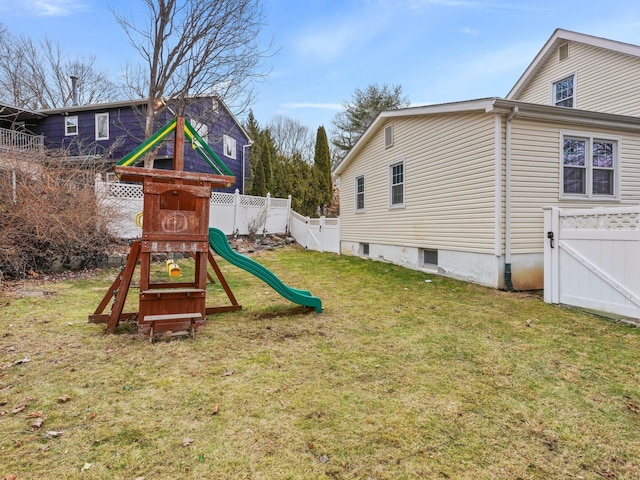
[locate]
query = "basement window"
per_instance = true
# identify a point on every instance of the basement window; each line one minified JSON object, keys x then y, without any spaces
{"x":429,"y":258}
{"x":364,"y":249}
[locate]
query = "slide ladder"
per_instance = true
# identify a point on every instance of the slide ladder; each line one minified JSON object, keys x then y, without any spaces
{"x":219,"y":243}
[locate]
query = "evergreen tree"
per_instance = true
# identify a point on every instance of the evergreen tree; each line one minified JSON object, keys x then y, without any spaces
{"x":259,"y":183}
{"x":253,"y":129}
{"x":322,"y":171}
{"x":267,"y":155}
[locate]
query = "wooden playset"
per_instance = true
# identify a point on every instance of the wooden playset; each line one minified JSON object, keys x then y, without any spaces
{"x":175,"y":220}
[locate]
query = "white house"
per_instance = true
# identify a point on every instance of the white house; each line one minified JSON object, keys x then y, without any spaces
{"x":459,"y":188}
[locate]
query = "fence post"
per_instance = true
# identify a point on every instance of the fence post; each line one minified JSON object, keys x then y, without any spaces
{"x":288,"y":225}
{"x":267,"y":205}
{"x":321,"y":233}
{"x":236,"y":207}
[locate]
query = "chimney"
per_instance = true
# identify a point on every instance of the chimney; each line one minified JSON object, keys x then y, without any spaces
{"x":74,"y":90}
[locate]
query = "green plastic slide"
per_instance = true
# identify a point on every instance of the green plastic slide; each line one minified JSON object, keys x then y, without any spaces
{"x":220,"y":244}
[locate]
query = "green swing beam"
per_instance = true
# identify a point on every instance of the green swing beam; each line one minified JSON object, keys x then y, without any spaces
{"x":194,"y":138}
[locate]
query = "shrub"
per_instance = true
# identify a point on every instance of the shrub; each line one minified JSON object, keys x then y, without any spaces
{"x":49,"y":217}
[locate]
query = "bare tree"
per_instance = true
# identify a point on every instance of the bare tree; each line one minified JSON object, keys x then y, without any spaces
{"x":196,"y":47}
{"x":290,"y":137}
{"x":37,"y":74}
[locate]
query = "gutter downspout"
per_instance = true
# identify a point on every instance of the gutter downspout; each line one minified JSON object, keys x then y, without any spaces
{"x":244,"y":161}
{"x":507,"y":204}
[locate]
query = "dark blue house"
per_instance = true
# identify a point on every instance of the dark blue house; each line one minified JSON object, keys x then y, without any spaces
{"x":105,"y":133}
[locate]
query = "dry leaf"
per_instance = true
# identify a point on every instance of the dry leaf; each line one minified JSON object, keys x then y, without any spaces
{"x":37,"y":423}
{"x":64,"y":398}
{"x":37,"y":414}
{"x":54,"y":433}
{"x":228,"y":373}
{"x":19,"y":408}
{"x":11,"y":476}
{"x":633,"y":408}
{"x":86,"y":466}
{"x":187,"y":441}
{"x":216,"y":409}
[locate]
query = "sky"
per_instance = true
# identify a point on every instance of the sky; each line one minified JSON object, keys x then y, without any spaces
{"x":322,"y":50}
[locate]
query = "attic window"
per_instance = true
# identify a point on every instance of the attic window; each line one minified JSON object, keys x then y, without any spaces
{"x":388,"y":136}
{"x":563,"y":52}
{"x":563,"y":92}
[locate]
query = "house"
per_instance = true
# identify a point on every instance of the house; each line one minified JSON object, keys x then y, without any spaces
{"x":459,"y":188}
{"x":105,"y":133}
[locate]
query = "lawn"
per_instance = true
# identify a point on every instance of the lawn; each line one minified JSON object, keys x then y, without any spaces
{"x":403,"y":375}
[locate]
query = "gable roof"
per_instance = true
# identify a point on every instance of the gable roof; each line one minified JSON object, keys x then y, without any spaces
{"x":559,"y":37}
{"x":494,"y":105}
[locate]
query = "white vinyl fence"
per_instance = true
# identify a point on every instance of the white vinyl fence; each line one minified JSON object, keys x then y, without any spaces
{"x":231,"y":213}
{"x":322,"y":234}
{"x":592,"y":259}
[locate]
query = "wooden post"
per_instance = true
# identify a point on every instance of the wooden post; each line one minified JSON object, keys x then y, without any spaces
{"x":178,"y":146}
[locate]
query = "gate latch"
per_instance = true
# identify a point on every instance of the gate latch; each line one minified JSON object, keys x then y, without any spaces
{"x":550,"y":237}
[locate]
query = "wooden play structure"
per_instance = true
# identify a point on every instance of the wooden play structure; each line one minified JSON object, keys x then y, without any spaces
{"x":175,"y":220}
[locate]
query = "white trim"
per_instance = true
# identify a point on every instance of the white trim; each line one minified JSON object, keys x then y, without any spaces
{"x":498,"y":185}
{"x":97,"y":115}
{"x":404,"y":184}
{"x":617,"y":168}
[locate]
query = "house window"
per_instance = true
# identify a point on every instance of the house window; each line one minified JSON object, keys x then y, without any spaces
{"x":590,"y":167}
{"x":229,"y":146}
{"x":202,"y":129}
{"x":388,"y":136}
{"x":102,"y":126}
{"x":71,"y":125}
{"x":360,"y":193}
{"x":396,"y":180}
{"x":563,"y":92}
{"x":364,"y":249}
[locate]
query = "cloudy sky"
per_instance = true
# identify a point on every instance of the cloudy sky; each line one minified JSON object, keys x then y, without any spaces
{"x":438,"y":50}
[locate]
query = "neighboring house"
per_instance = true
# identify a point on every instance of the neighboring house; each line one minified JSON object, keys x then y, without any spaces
{"x":105,"y":133}
{"x":459,"y":188}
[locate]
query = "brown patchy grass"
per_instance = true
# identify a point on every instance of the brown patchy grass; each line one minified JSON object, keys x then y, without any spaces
{"x":397,"y":378}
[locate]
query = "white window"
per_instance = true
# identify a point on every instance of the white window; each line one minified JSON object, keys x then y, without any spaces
{"x":71,"y":125}
{"x":590,"y":166}
{"x":102,"y":126}
{"x":229,"y":145}
{"x":360,"y":193}
{"x":202,"y":129}
{"x":564,"y":92}
{"x":396,"y":184}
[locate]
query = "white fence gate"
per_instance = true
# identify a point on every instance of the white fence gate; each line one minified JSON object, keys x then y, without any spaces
{"x":322,"y":234}
{"x":592,"y":259}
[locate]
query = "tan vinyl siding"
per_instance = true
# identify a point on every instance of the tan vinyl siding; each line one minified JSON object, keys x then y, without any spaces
{"x":535,"y":181}
{"x":449,"y":185}
{"x":606,"y":81}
